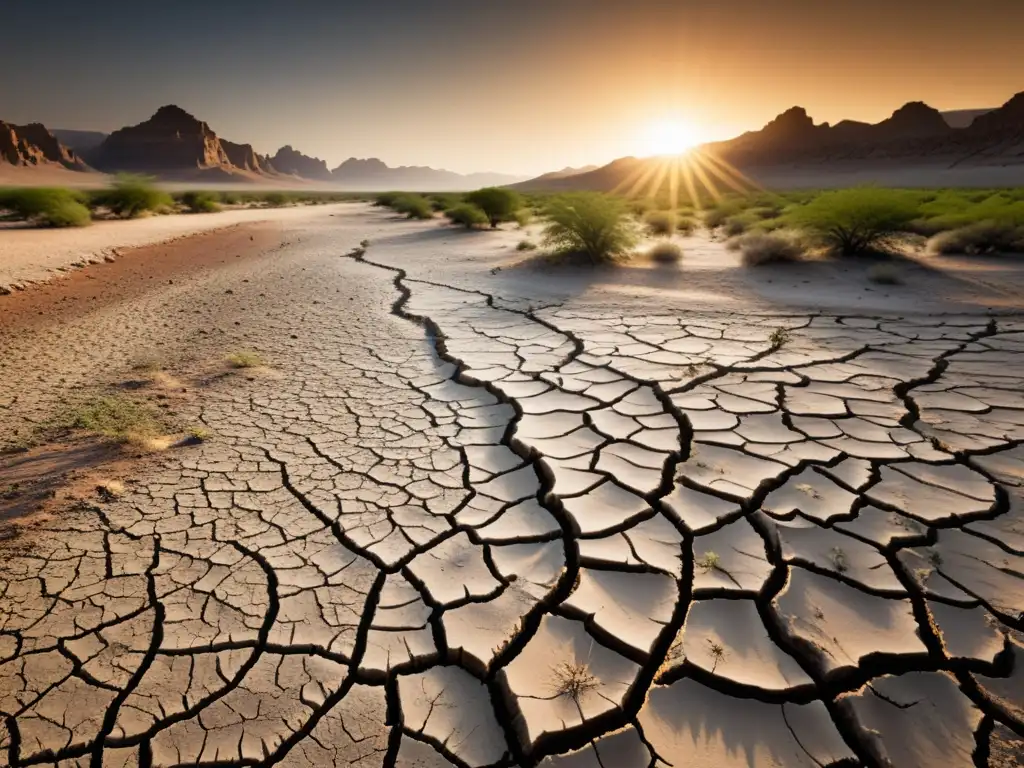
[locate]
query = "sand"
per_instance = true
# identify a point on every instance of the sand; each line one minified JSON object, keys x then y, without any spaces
{"x":34,"y":255}
{"x":468,"y":513}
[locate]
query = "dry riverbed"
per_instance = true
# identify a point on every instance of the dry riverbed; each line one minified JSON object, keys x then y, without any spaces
{"x":463,"y":512}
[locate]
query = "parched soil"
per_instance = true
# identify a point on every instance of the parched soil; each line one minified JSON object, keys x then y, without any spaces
{"x":470,"y":515}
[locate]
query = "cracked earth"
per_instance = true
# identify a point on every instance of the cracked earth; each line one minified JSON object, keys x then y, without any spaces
{"x":463,"y":525}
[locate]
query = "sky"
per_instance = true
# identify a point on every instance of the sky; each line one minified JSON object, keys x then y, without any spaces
{"x":514,"y":86}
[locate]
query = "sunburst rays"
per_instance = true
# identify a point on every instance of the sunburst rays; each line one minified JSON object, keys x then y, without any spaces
{"x":698,"y":174}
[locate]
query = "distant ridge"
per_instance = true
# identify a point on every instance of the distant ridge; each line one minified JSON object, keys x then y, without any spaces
{"x":33,"y":145}
{"x":373,"y":175}
{"x":916,"y":144}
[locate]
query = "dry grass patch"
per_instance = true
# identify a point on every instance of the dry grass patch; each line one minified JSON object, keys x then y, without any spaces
{"x":665,"y":252}
{"x":245,"y":359}
{"x":762,"y":248}
{"x":119,"y":419}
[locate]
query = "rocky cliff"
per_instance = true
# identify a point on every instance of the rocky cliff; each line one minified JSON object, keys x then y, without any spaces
{"x":33,"y":144}
{"x":171,"y":140}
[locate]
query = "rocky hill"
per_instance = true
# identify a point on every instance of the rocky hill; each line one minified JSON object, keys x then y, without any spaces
{"x":915,"y":145}
{"x":33,"y":145}
{"x":169,"y":143}
{"x":293,"y":163}
{"x":84,"y":143}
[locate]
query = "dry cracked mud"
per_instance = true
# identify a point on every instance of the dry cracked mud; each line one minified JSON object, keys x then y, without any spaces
{"x":460,"y":526}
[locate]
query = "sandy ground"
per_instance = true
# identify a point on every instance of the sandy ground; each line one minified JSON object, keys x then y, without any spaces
{"x":32,"y":255}
{"x":472,"y":513}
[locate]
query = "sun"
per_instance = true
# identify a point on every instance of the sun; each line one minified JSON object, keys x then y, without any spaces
{"x":674,"y":136}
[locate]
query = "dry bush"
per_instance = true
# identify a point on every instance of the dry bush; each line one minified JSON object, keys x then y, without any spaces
{"x":981,"y":238}
{"x":661,"y":222}
{"x":760,"y":248}
{"x":665,"y":252}
{"x":245,"y":359}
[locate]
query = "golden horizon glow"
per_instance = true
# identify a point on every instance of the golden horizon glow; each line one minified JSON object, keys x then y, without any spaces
{"x":668,"y":136}
{"x":689,"y":177}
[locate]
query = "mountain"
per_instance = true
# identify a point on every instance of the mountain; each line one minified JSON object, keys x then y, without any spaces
{"x":171,"y":144}
{"x":373,"y":175}
{"x":565,"y":173}
{"x":34,"y":145}
{"x":916,"y":145}
{"x":82,"y":142}
{"x":294,"y":163}
{"x":244,"y":156}
{"x":961,"y":118}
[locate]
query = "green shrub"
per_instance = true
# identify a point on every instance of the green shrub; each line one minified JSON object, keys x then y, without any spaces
{"x":467,"y":215}
{"x":641,"y":206}
{"x":47,"y":206}
{"x":854,"y":221}
{"x":201,"y":202}
{"x":685,"y":225}
{"x":760,"y":248}
{"x":413,"y":206}
{"x":526,"y":245}
{"x":131,"y":196}
{"x":276,"y":199}
{"x":737,"y":225}
{"x":981,"y":238}
{"x":665,"y":252}
{"x":716,"y":215}
{"x":443,"y":202}
{"x":230,"y":198}
{"x":497,"y":203}
{"x":661,"y":222}
{"x":590,"y":223}
{"x":386,"y":199}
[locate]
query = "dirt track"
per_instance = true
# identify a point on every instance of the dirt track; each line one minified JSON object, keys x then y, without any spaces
{"x":470,"y":515}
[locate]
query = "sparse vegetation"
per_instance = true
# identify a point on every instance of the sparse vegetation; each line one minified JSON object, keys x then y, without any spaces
{"x":132,"y":196}
{"x":573,"y":680}
{"x":497,"y":203}
{"x":856,"y":221}
{"x":665,"y":252}
{"x":412,"y":206}
{"x":197,"y":434}
{"x":116,"y":417}
{"x":779,"y":338}
{"x":245,"y":359}
{"x":761,"y":248}
{"x":717,"y":651}
{"x":589,"y":223}
{"x":46,"y":206}
{"x":466,"y":215}
{"x":201,"y":202}
{"x":685,"y":225}
{"x":661,"y":222}
{"x":276,"y":199}
{"x":709,"y":562}
{"x":981,"y":238}
{"x":526,"y":245}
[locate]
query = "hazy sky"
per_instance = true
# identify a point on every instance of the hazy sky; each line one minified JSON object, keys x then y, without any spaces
{"x":521,"y":86}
